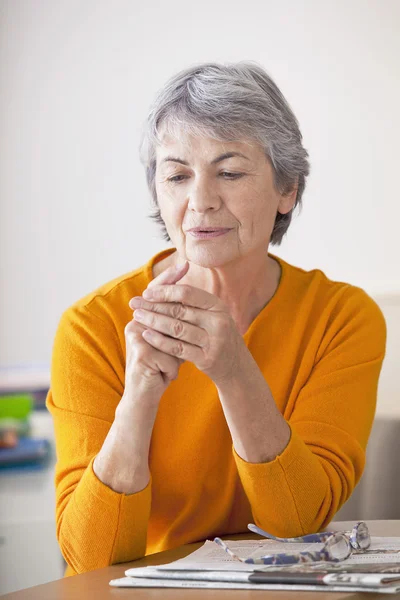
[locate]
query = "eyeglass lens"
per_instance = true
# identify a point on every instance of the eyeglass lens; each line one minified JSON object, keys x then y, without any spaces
{"x":338,"y":546}
{"x":363,"y":539}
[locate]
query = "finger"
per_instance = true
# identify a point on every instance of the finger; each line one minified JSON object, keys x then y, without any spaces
{"x":186,"y":294}
{"x":168,"y":365}
{"x":176,"y":348}
{"x":176,"y":310}
{"x":133,"y":328}
{"x":174,"y":328}
{"x":164,"y":362}
{"x":156,"y":360}
{"x":171,"y":275}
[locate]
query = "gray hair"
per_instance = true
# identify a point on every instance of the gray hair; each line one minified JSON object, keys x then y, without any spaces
{"x":230,"y":102}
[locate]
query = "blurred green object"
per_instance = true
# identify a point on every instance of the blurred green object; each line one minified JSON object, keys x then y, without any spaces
{"x":20,"y":426}
{"x":16,"y":406}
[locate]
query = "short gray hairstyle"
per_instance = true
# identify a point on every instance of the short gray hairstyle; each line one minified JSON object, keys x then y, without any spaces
{"x":237,"y":101}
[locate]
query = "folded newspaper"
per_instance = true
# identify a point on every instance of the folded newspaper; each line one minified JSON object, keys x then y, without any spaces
{"x":374,"y":570}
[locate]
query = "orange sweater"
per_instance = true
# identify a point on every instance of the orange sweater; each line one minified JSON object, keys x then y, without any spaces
{"x":320,"y":345}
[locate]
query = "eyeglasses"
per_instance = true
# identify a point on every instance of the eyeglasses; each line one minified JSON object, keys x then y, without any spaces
{"x":337,"y":546}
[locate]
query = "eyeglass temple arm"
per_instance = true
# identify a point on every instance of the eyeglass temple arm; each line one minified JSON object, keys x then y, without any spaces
{"x":222,"y":545}
{"x":280,"y":559}
{"x":312,"y":537}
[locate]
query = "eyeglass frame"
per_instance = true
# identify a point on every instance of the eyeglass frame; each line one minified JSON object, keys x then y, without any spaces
{"x":353,"y":535}
{"x":324,"y":554}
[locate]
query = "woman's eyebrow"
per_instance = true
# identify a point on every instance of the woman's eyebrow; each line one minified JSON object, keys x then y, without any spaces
{"x":228,"y":155}
{"x":216,"y":160}
{"x":174,"y":159}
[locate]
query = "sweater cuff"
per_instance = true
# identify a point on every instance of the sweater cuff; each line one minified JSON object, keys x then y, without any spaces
{"x":131,"y":511}
{"x":284,"y":459}
{"x":103,"y":492}
{"x":270,"y":488}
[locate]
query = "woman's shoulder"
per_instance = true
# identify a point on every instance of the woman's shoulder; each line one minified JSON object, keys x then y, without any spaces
{"x":333,"y":316}
{"x":340,"y":300}
{"x":110,"y":300}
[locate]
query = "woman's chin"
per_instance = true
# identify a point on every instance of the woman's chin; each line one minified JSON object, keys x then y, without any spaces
{"x":209,"y":257}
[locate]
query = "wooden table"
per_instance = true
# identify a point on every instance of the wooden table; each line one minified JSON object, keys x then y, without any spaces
{"x":95,"y":584}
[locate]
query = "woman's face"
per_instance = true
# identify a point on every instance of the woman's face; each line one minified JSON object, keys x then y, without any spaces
{"x":203,"y":182}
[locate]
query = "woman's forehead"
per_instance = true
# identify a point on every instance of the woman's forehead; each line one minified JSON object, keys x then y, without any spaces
{"x":186,"y":146}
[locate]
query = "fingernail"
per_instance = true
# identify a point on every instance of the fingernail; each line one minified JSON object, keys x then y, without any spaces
{"x":147,"y":294}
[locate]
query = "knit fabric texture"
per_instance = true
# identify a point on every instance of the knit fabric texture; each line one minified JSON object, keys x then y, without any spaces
{"x":320,"y":346}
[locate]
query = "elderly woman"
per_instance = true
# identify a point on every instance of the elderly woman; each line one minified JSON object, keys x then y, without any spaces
{"x":241,"y":388}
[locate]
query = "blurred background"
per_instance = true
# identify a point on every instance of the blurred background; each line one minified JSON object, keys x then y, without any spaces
{"x":77,"y":77}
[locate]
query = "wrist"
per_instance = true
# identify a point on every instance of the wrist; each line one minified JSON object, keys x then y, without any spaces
{"x":243,"y":368}
{"x":134,"y":421}
{"x":137,"y":406}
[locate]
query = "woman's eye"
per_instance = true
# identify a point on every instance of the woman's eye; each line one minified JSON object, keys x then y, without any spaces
{"x":176,"y":178}
{"x":225,"y":174}
{"x":229,"y":175}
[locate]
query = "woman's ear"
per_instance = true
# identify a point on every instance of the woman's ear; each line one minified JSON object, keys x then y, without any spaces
{"x":288,"y":200}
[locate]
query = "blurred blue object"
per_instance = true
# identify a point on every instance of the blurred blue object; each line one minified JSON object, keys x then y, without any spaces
{"x":28,"y":453}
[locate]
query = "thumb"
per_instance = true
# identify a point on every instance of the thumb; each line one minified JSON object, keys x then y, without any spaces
{"x":171,"y":275}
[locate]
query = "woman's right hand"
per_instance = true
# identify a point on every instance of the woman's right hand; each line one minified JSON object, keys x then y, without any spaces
{"x":148,"y":370}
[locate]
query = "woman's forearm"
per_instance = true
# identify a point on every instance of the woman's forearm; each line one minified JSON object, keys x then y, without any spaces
{"x":123,"y":461}
{"x":259,"y":431}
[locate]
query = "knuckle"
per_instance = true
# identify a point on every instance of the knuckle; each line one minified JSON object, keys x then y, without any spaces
{"x":178,"y":328}
{"x":147,"y":372}
{"x":142,"y":351}
{"x":133,"y":329}
{"x":130,"y":328}
{"x":157,"y":308}
{"x":175,"y":311}
{"x":177,"y":349}
{"x":178,"y":310}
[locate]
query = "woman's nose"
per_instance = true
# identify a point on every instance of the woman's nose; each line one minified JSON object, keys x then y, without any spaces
{"x":202,"y":197}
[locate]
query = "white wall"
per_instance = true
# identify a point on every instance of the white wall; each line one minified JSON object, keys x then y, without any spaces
{"x":76,"y":80}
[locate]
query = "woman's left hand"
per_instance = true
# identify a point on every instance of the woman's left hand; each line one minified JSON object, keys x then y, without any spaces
{"x":192,"y":324}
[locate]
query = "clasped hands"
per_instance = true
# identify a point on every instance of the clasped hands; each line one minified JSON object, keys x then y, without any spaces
{"x":190,"y":324}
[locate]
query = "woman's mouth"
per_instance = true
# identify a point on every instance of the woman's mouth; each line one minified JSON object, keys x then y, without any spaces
{"x":208,"y":233}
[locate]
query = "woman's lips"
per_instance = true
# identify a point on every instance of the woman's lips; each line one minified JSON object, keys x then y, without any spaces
{"x":203,"y":235}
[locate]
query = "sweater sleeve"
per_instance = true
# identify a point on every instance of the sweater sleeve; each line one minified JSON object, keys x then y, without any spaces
{"x":300,"y":491}
{"x":96,"y":526}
